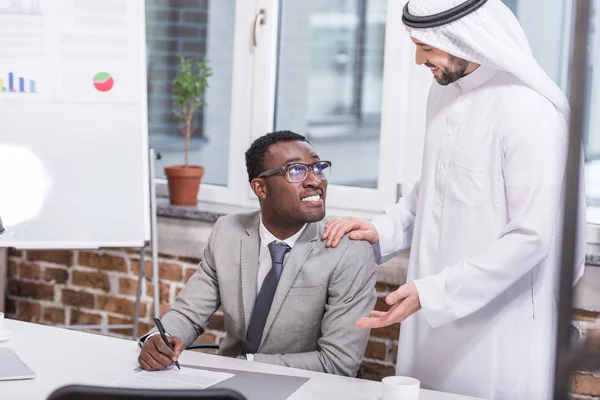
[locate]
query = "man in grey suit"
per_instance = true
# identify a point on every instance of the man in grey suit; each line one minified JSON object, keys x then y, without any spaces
{"x":286,"y":298}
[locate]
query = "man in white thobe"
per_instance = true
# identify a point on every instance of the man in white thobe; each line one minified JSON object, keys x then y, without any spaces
{"x":485,"y":222}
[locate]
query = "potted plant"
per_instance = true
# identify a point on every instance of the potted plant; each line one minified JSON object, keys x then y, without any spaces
{"x":188,"y":97}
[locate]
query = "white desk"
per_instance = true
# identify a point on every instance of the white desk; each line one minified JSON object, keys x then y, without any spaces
{"x":60,"y":357}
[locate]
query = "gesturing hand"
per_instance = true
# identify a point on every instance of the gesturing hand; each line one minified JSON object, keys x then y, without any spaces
{"x":404,"y":301}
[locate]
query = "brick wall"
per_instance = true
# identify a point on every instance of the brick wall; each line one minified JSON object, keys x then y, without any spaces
{"x":92,"y":287}
{"x":586,"y":383}
{"x":98,"y":287}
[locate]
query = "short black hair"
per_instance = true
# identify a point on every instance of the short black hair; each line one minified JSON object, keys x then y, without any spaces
{"x":255,"y":155}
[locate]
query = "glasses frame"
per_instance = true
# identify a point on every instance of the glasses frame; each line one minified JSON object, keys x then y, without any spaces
{"x":309,"y":167}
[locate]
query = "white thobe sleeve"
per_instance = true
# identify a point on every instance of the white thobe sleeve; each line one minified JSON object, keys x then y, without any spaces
{"x":534,"y":153}
{"x":395,"y":227}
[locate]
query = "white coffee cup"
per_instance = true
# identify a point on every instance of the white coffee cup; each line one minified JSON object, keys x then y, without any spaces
{"x":1,"y":322}
{"x":400,"y":388}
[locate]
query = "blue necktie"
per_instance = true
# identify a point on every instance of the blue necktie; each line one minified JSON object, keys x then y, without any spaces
{"x":265,"y":298}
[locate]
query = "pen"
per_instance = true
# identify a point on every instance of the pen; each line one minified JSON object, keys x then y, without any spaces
{"x":161,"y":330}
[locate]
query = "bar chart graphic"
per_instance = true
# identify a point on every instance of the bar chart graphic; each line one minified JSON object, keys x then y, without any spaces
{"x":21,"y":7}
{"x":12,"y":83}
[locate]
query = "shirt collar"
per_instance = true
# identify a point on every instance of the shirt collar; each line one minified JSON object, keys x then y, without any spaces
{"x":476,"y":78}
{"x":267,"y":237}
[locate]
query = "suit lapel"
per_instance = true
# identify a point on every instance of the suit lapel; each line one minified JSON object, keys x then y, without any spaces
{"x":249,"y":265}
{"x":291,"y":268}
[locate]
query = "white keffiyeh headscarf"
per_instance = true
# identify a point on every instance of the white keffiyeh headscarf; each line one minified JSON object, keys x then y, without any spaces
{"x":490,"y":36}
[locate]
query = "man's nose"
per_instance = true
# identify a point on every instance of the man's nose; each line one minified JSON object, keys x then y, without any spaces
{"x":420,"y":58}
{"x":311,"y":180}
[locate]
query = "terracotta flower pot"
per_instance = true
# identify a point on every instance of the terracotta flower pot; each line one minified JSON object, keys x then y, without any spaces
{"x":184,"y":183}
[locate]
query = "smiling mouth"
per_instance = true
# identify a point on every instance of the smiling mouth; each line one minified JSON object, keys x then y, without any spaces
{"x":312,"y":199}
{"x":432,"y":67}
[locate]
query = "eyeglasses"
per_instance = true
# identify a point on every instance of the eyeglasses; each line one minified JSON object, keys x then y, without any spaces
{"x":298,"y":172}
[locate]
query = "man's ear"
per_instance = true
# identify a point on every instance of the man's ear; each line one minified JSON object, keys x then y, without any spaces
{"x":259,"y":187}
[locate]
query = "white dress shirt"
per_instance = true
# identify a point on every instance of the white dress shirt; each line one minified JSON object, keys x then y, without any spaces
{"x":264,"y":256}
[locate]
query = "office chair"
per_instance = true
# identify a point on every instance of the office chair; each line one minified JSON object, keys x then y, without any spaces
{"x":81,"y":392}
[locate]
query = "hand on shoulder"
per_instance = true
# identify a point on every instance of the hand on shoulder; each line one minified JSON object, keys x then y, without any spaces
{"x":358,"y":229}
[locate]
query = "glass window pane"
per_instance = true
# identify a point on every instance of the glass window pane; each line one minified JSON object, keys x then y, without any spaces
{"x":512,"y":4}
{"x":330,"y":82}
{"x":195,"y":28}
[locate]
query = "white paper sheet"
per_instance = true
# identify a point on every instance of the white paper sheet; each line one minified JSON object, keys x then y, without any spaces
{"x":172,"y":378}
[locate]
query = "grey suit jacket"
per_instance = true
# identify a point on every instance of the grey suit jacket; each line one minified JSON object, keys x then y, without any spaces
{"x":321,"y":293}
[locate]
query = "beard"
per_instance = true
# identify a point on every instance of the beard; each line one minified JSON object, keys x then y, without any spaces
{"x":455,"y":70}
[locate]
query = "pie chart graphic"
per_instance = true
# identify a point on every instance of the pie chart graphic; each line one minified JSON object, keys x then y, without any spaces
{"x":103,"y":82}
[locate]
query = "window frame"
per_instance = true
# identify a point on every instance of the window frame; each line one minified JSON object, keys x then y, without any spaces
{"x":254,"y":78}
{"x":405,"y":92}
{"x":240,"y":116}
{"x":341,"y":199}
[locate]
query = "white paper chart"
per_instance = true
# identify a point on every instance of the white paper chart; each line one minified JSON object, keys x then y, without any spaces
{"x":73,"y":124}
{"x":70,"y":51}
{"x":25,"y":59}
